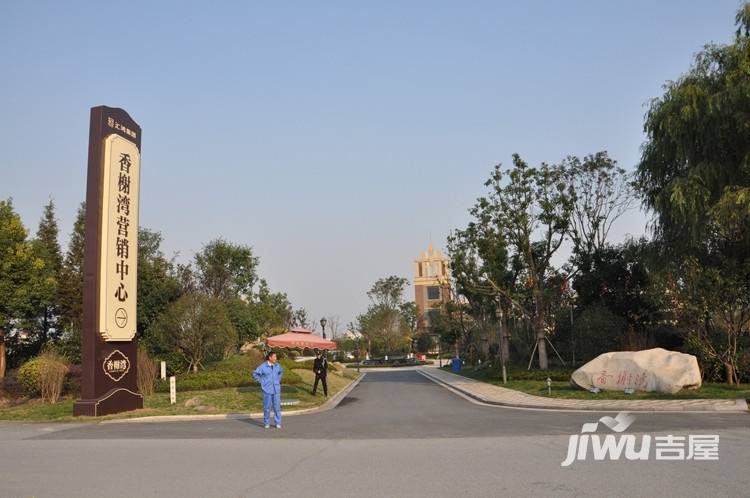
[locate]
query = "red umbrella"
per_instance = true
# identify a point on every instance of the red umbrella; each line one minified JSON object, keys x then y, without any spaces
{"x":299,"y":338}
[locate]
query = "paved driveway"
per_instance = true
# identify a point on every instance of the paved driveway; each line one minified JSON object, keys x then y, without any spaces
{"x":396,"y":434}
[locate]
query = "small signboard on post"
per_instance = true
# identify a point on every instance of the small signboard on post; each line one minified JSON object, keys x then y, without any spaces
{"x":163,"y":370}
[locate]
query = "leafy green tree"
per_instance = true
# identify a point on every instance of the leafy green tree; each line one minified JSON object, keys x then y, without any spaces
{"x":226,"y":270}
{"x":198,"y":328}
{"x":623,"y":279}
{"x":20,"y":276}
{"x":448,"y":323}
{"x":410,"y":313}
{"x":696,"y":151}
{"x":486,"y":275}
{"x":598,"y":330}
{"x":530,"y":213}
{"x":158,"y":285}
{"x":388,"y":291}
{"x":694,"y":175}
{"x":299,"y":318}
{"x":600,"y":192}
{"x":424,"y":343}
{"x":388,"y":323}
{"x":271,"y":311}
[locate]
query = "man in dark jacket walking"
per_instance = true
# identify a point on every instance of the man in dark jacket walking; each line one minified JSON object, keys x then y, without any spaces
{"x":320,"y":367}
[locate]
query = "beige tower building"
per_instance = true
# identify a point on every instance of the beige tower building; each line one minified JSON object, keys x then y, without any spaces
{"x":432,"y":285}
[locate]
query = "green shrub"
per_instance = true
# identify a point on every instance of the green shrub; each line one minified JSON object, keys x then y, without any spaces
{"x":235,"y":371}
{"x":291,"y":378}
{"x":598,"y":331}
{"x":43,"y":376}
{"x":176,"y":363}
{"x":308,"y":365}
{"x":520,"y":373}
{"x":29,"y":376}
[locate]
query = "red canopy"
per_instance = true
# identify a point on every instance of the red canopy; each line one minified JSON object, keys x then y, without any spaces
{"x":300,"y":338}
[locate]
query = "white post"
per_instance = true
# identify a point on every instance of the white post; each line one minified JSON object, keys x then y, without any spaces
{"x":163,"y":370}
{"x":173,"y":390}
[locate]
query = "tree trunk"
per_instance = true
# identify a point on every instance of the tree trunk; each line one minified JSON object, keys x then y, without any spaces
{"x":731,"y":375}
{"x":504,"y":342}
{"x":2,"y":355}
{"x":539,"y":330}
{"x":542,"y":350}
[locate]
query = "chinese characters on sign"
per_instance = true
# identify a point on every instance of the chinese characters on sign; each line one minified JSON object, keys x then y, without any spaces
{"x":112,"y":123}
{"x":119,"y":251}
{"x":116,"y":365}
{"x":623,"y":379}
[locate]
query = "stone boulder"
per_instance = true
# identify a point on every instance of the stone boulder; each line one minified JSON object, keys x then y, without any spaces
{"x":194,"y":402}
{"x":655,"y":369}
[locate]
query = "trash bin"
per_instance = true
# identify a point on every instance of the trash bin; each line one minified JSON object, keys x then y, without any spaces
{"x":456,"y":365}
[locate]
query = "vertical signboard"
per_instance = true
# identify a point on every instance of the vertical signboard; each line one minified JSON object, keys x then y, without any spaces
{"x":117,"y":268}
{"x":110,"y":292}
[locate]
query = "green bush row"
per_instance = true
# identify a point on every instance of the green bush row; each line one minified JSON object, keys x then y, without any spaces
{"x":232,"y":372}
{"x":306,"y":365}
{"x":520,"y":373}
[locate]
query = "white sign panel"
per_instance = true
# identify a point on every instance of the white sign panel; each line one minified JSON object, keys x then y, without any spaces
{"x":173,"y":389}
{"x":119,"y":243}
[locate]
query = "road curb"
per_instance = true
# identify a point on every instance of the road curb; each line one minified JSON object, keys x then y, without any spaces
{"x":328,"y":405}
{"x":740,"y":405}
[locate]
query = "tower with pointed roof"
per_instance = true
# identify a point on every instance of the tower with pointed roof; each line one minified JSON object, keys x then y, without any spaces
{"x":432,"y":285}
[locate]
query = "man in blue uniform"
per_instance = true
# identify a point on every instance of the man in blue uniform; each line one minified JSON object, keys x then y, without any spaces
{"x":268,"y":375}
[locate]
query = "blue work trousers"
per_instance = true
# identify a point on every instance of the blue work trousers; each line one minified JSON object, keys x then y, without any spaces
{"x":269,"y":401}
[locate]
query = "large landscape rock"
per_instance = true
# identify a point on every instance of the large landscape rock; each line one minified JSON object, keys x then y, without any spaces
{"x":649,"y":370}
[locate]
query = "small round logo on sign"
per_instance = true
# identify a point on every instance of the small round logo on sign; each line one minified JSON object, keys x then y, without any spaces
{"x":121,"y":317}
{"x":116,"y":365}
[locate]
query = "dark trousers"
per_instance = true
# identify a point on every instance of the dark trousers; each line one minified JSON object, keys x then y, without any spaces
{"x":321,"y":378}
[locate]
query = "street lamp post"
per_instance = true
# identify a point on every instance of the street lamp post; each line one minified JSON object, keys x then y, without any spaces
{"x":323,"y":322}
{"x":358,"y":353}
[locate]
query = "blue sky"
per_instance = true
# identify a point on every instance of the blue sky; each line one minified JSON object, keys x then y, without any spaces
{"x":335,"y":139}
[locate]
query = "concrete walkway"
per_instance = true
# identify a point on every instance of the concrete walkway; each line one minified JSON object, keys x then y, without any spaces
{"x":496,"y":395}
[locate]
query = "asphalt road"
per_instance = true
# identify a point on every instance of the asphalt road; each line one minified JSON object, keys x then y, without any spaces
{"x":396,"y":434}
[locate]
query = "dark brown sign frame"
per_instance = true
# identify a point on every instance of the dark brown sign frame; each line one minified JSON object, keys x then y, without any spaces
{"x":103,"y":394}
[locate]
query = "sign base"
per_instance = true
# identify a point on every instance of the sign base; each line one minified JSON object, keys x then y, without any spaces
{"x":115,"y":401}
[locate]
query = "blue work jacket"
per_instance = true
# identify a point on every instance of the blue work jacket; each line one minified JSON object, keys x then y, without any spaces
{"x":269,"y":377}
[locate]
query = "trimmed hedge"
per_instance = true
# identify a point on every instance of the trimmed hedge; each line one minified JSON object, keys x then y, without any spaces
{"x":304,"y":365}
{"x":235,"y":371}
{"x":519,"y":373}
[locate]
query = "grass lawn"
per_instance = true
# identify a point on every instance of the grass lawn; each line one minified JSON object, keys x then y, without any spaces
{"x":214,"y":401}
{"x":563,"y":389}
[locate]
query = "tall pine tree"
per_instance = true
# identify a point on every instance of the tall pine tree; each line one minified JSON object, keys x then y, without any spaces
{"x":47,"y":248}
{"x":71,"y":289}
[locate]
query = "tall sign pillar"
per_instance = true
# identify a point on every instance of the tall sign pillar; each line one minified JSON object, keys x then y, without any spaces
{"x":110,"y":266}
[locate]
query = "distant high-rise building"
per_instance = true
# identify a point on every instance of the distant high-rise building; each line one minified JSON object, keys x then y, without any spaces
{"x":432,"y":286}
